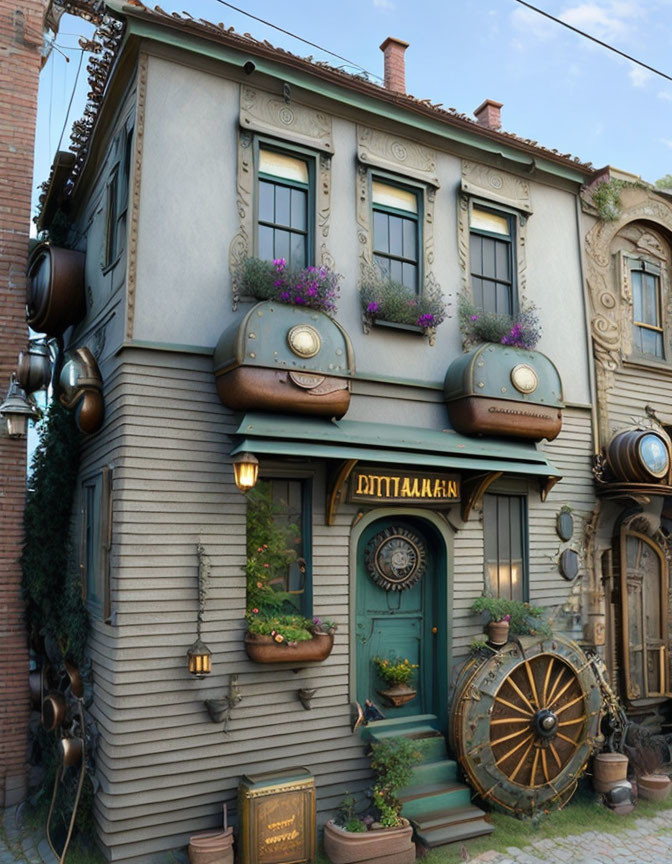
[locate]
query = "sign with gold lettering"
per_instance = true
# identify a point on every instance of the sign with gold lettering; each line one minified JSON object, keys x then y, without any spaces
{"x":372,"y":484}
{"x":277,"y":817}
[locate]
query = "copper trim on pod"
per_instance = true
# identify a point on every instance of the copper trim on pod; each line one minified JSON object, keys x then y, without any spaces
{"x":55,"y":298}
{"x":82,"y":389}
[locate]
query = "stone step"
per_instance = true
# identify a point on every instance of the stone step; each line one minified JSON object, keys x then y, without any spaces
{"x":454,"y":833}
{"x":444,"y":818}
{"x":434,"y":796}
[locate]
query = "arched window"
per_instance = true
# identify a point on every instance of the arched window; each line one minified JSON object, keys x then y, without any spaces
{"x":643,"y":616}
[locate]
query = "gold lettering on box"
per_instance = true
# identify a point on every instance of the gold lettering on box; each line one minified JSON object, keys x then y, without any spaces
{"x":404,"y":487}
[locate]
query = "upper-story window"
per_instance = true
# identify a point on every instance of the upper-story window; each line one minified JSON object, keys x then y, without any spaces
{"x":505,"y":545}
{"x":647,"y":319}
{"x":396,"y":230}
{"x":285,"y":207}
{"x":116,"y":195}
{"x":492,"y":260}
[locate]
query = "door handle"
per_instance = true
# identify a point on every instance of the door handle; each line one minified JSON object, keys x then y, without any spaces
{"x":435,"y":630}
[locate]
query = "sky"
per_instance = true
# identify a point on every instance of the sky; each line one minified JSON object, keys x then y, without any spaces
{"x":556,"y":87}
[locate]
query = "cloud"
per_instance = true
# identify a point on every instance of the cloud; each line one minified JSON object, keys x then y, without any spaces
{"x":666,"y":141}
{"x":385,"y":4}
{"x":608,"y":20}
{"x":638,"y":76}
{"x":533,"y":24}
{"x":665,"y":95}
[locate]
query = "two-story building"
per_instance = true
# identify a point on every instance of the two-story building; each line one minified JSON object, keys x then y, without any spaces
{"x":205,"y":149}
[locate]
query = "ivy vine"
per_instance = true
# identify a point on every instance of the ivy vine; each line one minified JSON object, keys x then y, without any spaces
{"x":607,"y":197}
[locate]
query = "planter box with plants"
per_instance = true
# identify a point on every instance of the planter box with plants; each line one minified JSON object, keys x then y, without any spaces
{"x":509,"y":618}
{"x":308,"y":288}
{"x":390,"y":304}
{"x":380,"y":834}
{"x":397,"y":675}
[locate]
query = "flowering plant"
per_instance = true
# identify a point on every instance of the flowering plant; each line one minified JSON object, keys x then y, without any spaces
{"x":324,"y":625}
{"x":521,"y":331}
{"x":386,"y":300}
{"x":312,"y":287}
{"x":394,"y":671}
{"x":523,"y":619}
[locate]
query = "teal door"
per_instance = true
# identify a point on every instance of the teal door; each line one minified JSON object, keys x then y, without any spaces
{"x":401,"y":611}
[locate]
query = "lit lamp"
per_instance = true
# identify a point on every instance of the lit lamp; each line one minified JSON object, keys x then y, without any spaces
{"x":245,"y":471}
{"x":199,"y":656}
{"x":17,"y":410}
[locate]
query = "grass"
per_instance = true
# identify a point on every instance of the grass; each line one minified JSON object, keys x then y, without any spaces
{"x":582,"y":814}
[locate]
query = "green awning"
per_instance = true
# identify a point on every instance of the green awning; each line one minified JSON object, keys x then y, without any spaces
{"x":306,"y":437}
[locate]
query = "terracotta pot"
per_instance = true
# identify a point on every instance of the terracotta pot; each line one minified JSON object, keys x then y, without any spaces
{"x":264,"y":649}
{"x":399,"y":694}
{"x":498,"y":632}
{"x":609,"y":768}
{"x":388,"y":845}
{"x":654,"y":787}
{"x":211,"y":847}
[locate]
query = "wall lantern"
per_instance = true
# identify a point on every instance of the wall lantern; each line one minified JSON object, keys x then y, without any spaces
{"x":245,"y":471}
{"x":17,"y":410}
{"x":199,"y":656}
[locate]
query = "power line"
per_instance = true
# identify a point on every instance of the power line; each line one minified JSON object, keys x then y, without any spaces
{"x":595,"y":39}
{"x":300,"y":38}
{"x":72,"y":96}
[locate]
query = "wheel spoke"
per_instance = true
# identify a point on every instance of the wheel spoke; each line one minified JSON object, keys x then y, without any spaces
{"x":567,"y":685}
{"x":546,"y":680}
{"x":555,"y":683}
{"x":502,"y":720}
{"x":544,"y":765}
{"x":530,"y":678}
{"x":568,"y":705}
{"x":569,"y":740}
{"x":534,"y":767}
{"x":515,"y":707}
{"x":515,"y":750}
{"x":508,"y":737}
{"x":572,"y":722}
{"x":520,"y":693}
{"x":555,"y":755}
{"x":512,"y":777}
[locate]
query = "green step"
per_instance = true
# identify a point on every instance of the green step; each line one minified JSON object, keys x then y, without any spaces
{"x":445,"y":818}
{"x":439,"y":771}
{"x":398,"y":726}
{"x":434,"y":796}
{"x":454,"y":833}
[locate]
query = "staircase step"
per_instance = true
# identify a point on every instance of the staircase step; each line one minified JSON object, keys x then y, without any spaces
{"x":430,"y":821}
{"x":454,"y":833}
{"x":436,"y":771}
{"x":434,"y":796}
{"x":427,"y":720}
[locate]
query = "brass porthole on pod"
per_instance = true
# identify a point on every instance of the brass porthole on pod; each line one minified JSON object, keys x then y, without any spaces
{"x":304,"y":340}
{"x":524,"y":378}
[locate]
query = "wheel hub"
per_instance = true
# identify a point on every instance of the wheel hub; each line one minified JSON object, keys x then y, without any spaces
{"x":545,"y":723}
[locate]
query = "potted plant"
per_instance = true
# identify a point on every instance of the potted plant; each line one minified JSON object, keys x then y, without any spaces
{"x":510,"y":617}
{"x":396,"y":674}
{"x":276,"y":631}
{"x":378,"y":836}
{"x":310,"y":287}
{"x":520,"y":331}
{"x":387,"y":302}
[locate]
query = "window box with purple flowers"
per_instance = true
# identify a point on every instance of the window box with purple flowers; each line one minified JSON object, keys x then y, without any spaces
{"x":311,"y":288}
{"x":519,"y":331}
{"x":386,"y":303}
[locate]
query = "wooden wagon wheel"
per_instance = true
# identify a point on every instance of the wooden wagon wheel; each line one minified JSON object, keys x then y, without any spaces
{"x":525,"y":722}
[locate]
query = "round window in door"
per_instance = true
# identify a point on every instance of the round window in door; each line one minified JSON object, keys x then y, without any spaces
{"x":396,"y":558}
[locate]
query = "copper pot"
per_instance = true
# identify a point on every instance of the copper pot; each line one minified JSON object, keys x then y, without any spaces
{"x":35,"y":687}
{"x":33,"y":368}
{"x":54,"y":710}
{"x":72,"y":749}
{"x":76,"y":684}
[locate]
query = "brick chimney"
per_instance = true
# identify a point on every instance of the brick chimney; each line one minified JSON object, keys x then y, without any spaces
{"x":395,"y":66}
{"x":489,"y":114}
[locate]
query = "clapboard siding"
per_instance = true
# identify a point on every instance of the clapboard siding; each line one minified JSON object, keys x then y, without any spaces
{"x":632,"y":390}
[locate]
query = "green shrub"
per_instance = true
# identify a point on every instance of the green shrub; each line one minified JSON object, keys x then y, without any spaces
{"x":394,"y":671}
{"x":392,"y":760}
{"x":524,"y":620}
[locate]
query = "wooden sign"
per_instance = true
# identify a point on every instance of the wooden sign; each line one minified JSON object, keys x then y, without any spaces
{"x":385,"y":486}
{"x":277,"y":817}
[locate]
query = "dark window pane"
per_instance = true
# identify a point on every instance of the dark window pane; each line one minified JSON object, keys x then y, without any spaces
{"x":297,"y":256}
{"x":410,"y":239}
{"x":281,"y":244}
{"x":282,"y":201}
{"x":637,"y":307}
{"x":651,"y":300}
{"x":410,"y":275}
{"x":299,"y":200}
{"x":503,"y":302}
{"x":502,"y":260}
{"x":266,"y":201}
{"x":395,"y":270}
{"x":266,"y":243}
{"x":489,"y":289}
{"x":396,"y":234}
{"x":651,"y":342}
{"x":381,"y":238}
{"x":477,"y":289}
{"x":476,"y":253}
{"x":504,"y":551}
{"x":383,"y":265}
{"x":488,"y":257}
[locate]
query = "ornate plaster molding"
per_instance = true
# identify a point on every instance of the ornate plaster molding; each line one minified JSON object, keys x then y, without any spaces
{"x":241,"y":244}
{"x":266,"y":112}
{"x":400,"y":155}
{"x":134,"y":215}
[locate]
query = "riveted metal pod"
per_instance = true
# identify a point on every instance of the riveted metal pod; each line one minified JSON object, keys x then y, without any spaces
{"x":55,"y":297}
{"x":33,"y":369}
{"x":640,"y":456}
{"x":82,"y":389}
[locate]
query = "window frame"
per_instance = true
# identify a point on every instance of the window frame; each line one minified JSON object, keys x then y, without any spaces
{"x":96,"y":533}
{"x":310,"y":157}
{"x":117,"y":192}
{"x":644,"y":265}
{"x":516,"y":220}
{"x":522,"y":498}
{"x":418,"y":191}
{"x":306,"y":527}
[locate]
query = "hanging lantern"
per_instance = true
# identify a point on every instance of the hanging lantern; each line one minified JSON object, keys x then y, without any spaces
{"x":245,"y":471}
{"x":199,"y":659}
{"x":17,"y":410}
{"x":199,"y":655}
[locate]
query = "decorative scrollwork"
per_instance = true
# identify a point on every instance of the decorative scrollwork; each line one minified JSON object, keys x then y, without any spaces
{"x":396,"y":558}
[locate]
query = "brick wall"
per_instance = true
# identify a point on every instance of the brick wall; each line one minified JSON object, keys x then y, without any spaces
{"x":20,"y":43}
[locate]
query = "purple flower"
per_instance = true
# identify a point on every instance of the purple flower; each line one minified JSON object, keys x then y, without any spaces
{"x":474,"y":317}
{"x":426,"y":320}
{"x":373,"y":307}
{"x":299,"y":300}
{"x":279,"y":263}
{"x":284,"y":295}
{"x":312,"y":291}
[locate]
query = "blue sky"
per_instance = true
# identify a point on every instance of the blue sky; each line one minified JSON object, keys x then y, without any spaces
{"x":557,"y":88}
